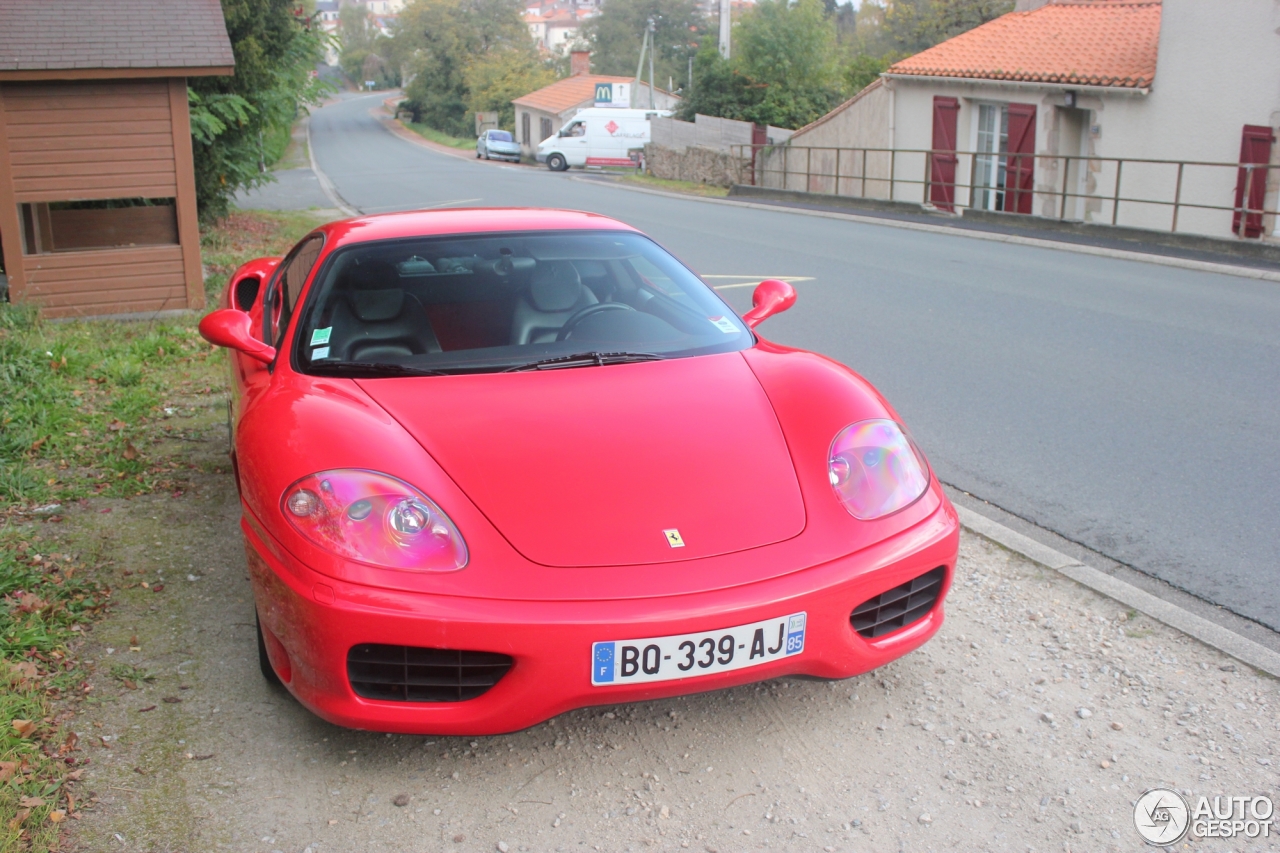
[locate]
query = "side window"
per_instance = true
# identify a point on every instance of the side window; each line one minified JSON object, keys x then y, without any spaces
{"x":577,"y":129}
{"x":288,"y":284}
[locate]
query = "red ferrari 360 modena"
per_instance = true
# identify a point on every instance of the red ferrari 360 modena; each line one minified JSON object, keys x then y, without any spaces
{"x":498,"y":464}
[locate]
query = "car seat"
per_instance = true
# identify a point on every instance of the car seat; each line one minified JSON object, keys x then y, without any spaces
{"x":555,"y":292}
{"x":374,"y":319}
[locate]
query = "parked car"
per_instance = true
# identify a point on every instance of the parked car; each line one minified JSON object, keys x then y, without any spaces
{"x":494,"y":465}
{"x":497,"y":145}
{"x":598,"y":136}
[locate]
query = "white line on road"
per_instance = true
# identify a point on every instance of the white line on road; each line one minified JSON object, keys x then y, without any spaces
{"x":326,"y":185}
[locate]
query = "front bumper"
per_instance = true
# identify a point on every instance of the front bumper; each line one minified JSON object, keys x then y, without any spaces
{"x":504,"y":155}
{"x":315,"y":621}
{"x":540,"y":156}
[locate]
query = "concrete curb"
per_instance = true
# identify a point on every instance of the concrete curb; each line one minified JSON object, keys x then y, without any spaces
{"x":326,"y":185}
{"x":1097,"y":251}
{"x":1245,"y":650}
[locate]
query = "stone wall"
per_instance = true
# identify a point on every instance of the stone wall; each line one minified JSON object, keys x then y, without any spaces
{"x":695,"y":164}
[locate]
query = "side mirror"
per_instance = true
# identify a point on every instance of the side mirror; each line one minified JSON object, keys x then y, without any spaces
{"x":770,"y":297}
{"x":233,"y":329}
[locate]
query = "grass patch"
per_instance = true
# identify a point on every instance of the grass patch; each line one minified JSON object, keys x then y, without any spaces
{"x":439,"y":136}
{"x":88,"y":409}
{"x":249,"y":234}
{"x":687,"y":187}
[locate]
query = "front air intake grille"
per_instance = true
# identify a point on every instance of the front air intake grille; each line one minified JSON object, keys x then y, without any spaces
{"x":409,"y":674}
{"x":898,"y":607}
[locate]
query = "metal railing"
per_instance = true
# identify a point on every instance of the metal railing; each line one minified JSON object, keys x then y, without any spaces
{"x":1059,"y":185}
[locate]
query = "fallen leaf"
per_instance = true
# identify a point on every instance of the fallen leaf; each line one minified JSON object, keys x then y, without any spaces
{"x":38,"y":443}
{"x":139,"y":771}
{"x":56,"y":816}
{"x":30,"y":802}
{"x":202,"y":757}
{"x":24,"y":728}
{"x":130,"y":452}
{"x":72,"y":740}
{"x":19,"y":818}
{"x":158,"y":588}
{"x":333,"y":823}
{"x":172,"y":700}
{"x":116,"y":425}
{"x":29,"y":602}
{"x":401,"y":800}
{"x":133,"y":641}
{"x":129,"y":683}
{"x":6,"y":769}
{"x":146,"y":709}
{"x":75,"y":775}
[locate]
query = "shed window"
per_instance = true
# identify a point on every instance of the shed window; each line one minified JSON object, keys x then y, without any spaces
{"x":69,"y":226}
{"x":546,"y":129}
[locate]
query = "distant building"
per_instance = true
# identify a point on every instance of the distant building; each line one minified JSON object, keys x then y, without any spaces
{"x":1067,"y":80}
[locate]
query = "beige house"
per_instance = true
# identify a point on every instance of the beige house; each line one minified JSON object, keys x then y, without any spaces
{"x":1033,"y":113}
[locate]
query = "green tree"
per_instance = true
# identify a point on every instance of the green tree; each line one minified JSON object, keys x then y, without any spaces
{"x":240,"y":124}
{"x":862,"y":69}
{"x":438,"y":40}
{"x":496,"y":78}
{"x":615,"y":36}
{"x":911,"y":26}
{"x":783,"y":71}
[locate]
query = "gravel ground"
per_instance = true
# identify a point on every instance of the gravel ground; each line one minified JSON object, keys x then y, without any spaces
{"x":1033,"y":722}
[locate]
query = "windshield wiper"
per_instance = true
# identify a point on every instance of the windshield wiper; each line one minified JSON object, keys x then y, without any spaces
{"x":586,"y":359}
{"x":371,"y":369}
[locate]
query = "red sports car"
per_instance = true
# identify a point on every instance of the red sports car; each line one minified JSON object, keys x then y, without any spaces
{"x":498,"y":464}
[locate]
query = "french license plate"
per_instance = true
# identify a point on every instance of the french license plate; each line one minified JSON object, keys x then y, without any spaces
{"x":689,"y":655}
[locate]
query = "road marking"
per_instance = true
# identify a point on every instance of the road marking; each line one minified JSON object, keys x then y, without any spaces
{"x":1209,"y":633}
{"x":447,"y":203}
{"x":754,"y":280}
{"x":326,"y":185}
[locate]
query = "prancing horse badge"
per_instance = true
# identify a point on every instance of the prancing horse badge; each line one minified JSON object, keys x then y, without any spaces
{"x":673,"y":538}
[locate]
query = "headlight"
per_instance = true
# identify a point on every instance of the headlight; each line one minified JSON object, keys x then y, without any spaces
{"x":376,"y":519}
{"x":875,"y":469}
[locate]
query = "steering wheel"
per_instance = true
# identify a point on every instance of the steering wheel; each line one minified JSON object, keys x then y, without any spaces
{"x":589,"y":311}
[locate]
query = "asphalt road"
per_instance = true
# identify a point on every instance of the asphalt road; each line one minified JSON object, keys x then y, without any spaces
{"x":1129,"y":407}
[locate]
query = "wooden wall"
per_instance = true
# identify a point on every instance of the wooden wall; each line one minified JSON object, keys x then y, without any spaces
{"x":100,"y":139}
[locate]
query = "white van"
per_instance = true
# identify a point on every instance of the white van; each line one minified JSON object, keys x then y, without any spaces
{"x":597,"y":136}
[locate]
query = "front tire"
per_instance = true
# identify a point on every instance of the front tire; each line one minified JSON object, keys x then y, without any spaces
{"x":557,"y":163}
{"x":264,"y":662}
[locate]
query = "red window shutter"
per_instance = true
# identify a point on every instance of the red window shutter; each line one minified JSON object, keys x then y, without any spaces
{"x":1255,"y":147}
{"x":942,"y":160}
{"x":1020,"y":171}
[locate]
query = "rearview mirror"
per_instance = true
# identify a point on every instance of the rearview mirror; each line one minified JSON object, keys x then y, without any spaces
{"x":770,"y":297}
{"x":233,"y":329}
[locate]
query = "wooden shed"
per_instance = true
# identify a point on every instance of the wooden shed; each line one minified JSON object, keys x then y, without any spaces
{"x":97,"y":188}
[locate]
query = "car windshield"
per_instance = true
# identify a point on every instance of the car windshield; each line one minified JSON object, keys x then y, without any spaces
{"x":499,"y":136}
{"x":490,"y":303}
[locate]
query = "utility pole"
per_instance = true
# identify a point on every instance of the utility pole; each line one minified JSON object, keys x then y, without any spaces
{"x":725,"y":22}
{"x":635,"y":87}
{"x":652,"y":28}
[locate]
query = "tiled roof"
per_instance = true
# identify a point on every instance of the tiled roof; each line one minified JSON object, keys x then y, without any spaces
{"x":1073,"y":42}
{"x":50,"y":35}
{"x":566,"y":93}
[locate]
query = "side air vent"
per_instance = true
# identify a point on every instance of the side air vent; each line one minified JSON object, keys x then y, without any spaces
{"x":410,"y":674}
{"x":898,"y":607}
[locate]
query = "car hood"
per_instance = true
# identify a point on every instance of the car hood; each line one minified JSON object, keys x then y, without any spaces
{"x":502,"y":146}
{"x":592,"y":466}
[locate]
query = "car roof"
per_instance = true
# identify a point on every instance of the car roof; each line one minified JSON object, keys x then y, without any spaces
{"x":457,"y":221}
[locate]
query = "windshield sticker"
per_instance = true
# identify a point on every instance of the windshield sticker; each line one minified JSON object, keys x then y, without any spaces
{"x":724,"y":324}
{"x":321,"y":336}
{"x":319,"y":353}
